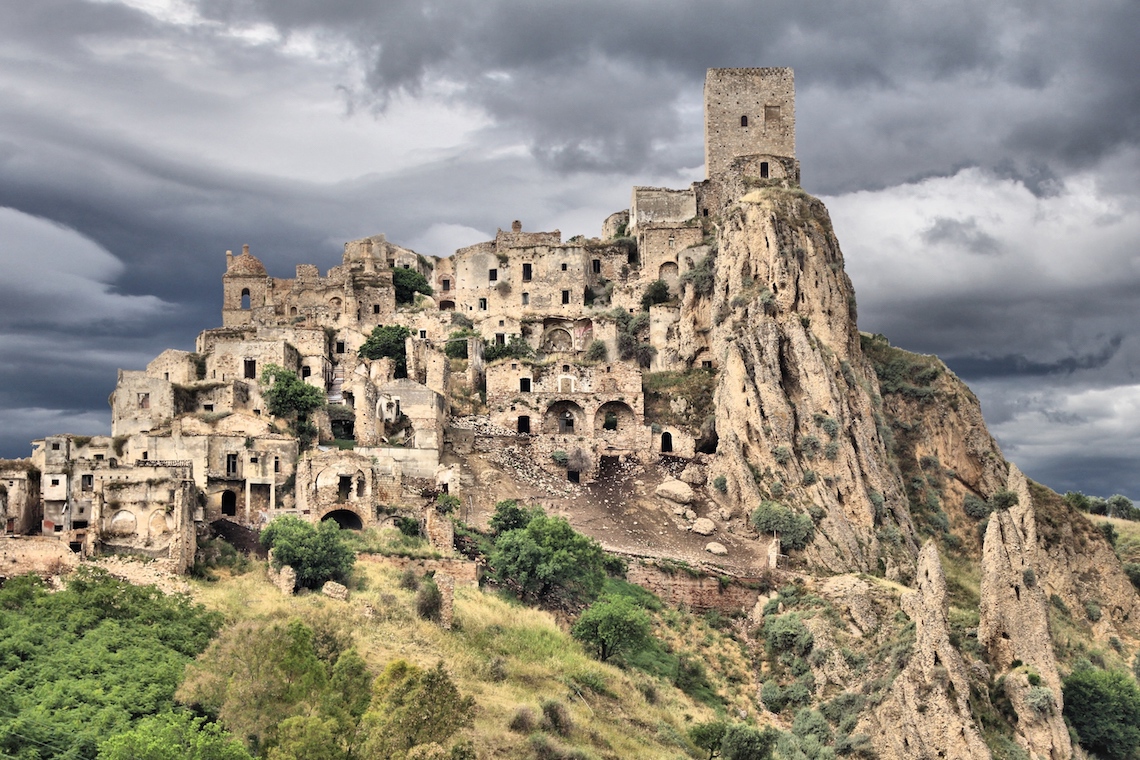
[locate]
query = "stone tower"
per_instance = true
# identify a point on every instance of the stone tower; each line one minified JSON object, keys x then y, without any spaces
{"x":749,"y":112}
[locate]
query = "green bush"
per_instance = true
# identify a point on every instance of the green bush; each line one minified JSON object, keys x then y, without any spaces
{"x":1040,"y":699}
{"x":1103,"y":707}
{"x":548,"y":559}
{"x":1092,"y":609}
{"x":656,"y":292}
{"x":317,"y":554}
{"x":1003,"y":500}
{"x":388,"y":341}
{"x":612,"y":626}
{"x":510,"y":515}
{"x":288,"y":395}
{"x":743,"y":742}
{"x":597,"y":352}
{"x":787,"y":633}
{"x":975,"y":507}
{"x":407,"y":283}
{"x":429,"y":600}
{"x":720,"y":483}
{"x":796,"y":530}
{"x":456,"y":345}
{"x":702,"y":276}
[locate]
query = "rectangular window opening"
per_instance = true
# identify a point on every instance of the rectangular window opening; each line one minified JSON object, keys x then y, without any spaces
{"x":527,"y":272}
{"x":565,"y":296}
{"x":492,"y":275}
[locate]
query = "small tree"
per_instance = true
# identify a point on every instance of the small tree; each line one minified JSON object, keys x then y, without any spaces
{"x":287,"y":394}
{"x":173,"y":736}
{"x":656,"y":292}
{"x":613,"y":625}
{"x":597,"y":352}
{"x":1103,"y":707}
{"x":510,"y":515}
{"x":388,"y":341}
{"x":796,"y":530}
{"x":316,"y":554}
{"x":548,"y":558}
{"x":742,"y":742}
{"x":411,"y":707}
{"x":407,"y":283}
{"x":708,"y":736}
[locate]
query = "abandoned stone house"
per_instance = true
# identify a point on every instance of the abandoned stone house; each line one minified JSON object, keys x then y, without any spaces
{"x":191,"y":435}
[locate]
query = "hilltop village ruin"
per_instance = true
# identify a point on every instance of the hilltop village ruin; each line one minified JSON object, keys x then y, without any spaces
{"x":192,"y":439}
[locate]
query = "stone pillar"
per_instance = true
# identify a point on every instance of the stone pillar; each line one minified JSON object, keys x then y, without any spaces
{"x":446,"y":586}
{"x":774,"y":553}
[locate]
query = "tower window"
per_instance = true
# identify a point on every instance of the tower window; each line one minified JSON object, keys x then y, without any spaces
{"x":527,"y":272}
{"x":744,"y":121}
{"x":763,"y":170}
{"x":250,"y":369}
{"x":525,"y":299}
{"x":375,"y":308}
{"x":482,"y":304}
{"x":563,"y":266}
{"x":245,"y":298}
{"x":446,"y":284}
{"x":596,"y":265}
{"x":340,"y":346}
{"x":492,"y":275}
{"x":565,"y":296}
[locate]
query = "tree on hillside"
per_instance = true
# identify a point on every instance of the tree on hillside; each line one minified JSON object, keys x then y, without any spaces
{"x":549,"y":559}
{"x":412,"y":707}
{"x":287,"y":394}
{"x":743,"y":742}
{"x":708,"y":736}
{"x":173,"y":736}
{"x":510,"y":515}
{"x":407,"y":283}
{"x":613,"y":626}
{"x":1103,"y":707}
{"x":317,"y":554}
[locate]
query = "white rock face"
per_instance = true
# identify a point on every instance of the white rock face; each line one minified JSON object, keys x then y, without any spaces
{"x":704,"y":526}
{"x":712,"y":547}
{"x":676,"y":491}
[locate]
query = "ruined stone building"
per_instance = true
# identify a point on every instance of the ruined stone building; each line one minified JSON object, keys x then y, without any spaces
{"x":192,"y":439}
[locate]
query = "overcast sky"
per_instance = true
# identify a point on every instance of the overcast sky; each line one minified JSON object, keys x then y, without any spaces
{"x":980,"y":161}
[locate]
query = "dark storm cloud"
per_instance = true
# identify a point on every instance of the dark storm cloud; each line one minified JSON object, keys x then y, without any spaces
{"x":1010,"y":365}
{"x":896,"y":90}
{"x":963,"y":234}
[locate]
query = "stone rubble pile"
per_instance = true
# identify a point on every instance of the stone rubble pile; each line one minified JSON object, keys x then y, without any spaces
{"x":482,"y":425}
{"x":520,"y":461}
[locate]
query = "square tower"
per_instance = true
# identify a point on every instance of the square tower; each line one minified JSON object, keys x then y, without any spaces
{"x":748,"y":112}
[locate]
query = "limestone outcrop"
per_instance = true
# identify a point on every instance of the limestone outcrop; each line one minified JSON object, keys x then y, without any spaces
{"x":927,"y":714}
{"x":1014,"y":625}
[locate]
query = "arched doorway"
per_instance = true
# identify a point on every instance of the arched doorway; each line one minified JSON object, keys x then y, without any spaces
{"x":558,"y":339}
{"x":229,"y":503}
{"x":613,"y":415}
{"x":564,"y":417}
{"x":666,"y":442}
{"x":345,"y":518}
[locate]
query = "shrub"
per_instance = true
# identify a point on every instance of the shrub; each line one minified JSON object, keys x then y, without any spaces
{"x":975,"y":507}
{"x":1103,"y":707}
{"x":743,"y":742}
{"x":445,"y":503}
{"x":1003,"y":500}
{"x":288,"y":395}
{"x":388,"y":341}
{"x":809,"y":722}
{"x":657,"y":292}
{"x":809,"y":447}
{"x":1040,"y":699}
{"x":1132,"y":570}
{"x":782,"y":454}
{"x":701,"y":276}
{"x":1029,"y":577}
{"x":796,"y":530}
{"x":556,"y":718}
{"x":456,"y":345}
{"x":708,"y":736}
{"x":317,"y":554}
{"x":409,"y":526}
{"x":1092,"y":609}
{"x":772,"y":696}
{"x":787,"y":633}
{"x":1109,"y":532}
{"x":515,"y":348}
{"x":429,"y":600}
{"x":409,"y":579}
{"x":509,"y":515}
{"x":523,"y":721}
{"x":597,"y":351}
{"x":720,"y":483}
{"x":561,"y":458}
{"x":407,"y":283}
{"x":809,"y":478}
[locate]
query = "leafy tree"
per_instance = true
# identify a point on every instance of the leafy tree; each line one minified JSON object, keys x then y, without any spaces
{"x":307,"y":737}
{"x":287,"y":394}
{"x":1121,"y":506}
{"x":317,"y":554}
{"x":787,"y":633}
{"x":1103,"y":707}
{"x":796,"y":530}
{"x":515,"y":348}
{"x":412,"y":707}
{"x":510,"y":515}
{"x":742,"y":742}
{"x":656,"y":292}
{"x":173,"y":736}
{"x":548,"y":558}
{"x":388,"y":341}
{"x":613,"y":625}
{"x":407,"y":283}
{"x":708,"y":736}
{"x":456,"y":346}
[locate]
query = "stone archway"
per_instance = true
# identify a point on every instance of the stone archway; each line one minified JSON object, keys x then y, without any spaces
{"x":614,"y":416}
{"x":229,"y":503}
{"x":347,"y":519}
{"x":564,"y":418}
{"x":558,"y":339}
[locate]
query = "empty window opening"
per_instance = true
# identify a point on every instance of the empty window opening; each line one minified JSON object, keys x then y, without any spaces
{"x":524,"y":384}
{"x":564,"y":266}
{"x":55,"y":481}
{"x":146,"y":455}
{"x":482,"y":304}
{"x":276,"y":464}
{"x":55,"y":446}
{"x":375,"y":308}
{"x":250,"y":369}
{"x":245,"y":298}
{"x":231,"y":464}
{"x":566,"y":422}
{"x":165,"y":375}
{"x":565,"y":296}
{"x":500,"y":339}
{"x":525,"y":299}
{"x":360,"y":488}
{"x":87,"y":482}
{"x":596,"y":266}
{"x":98,"y":457}
{"x":744,"y":121}
{"x":446,"y":284}
{"x":565,"y":367}
{"x":706,"y":364}
{"x":345,"y":488}
{"x":763,"y":170}
{"x":253,"y":460}
{"x":423,"y":334}
{"x":524,"y":424}
{"x":611,"y":422}
{"x":492,"y":275}
{"x":666,"y":442}
{"x":144,"y":403}
{"x":527,"y":272}
{"x":340,"y":346}
{"x":229,"y":503}
{"x":672,"y":242}
{"x":573,"y":476}
{"x":293,"y":311}
{"x":306,"y":371}
{"x":704,"y":212}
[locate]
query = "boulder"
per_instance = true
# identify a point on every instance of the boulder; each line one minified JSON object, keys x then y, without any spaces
{"x":334,"y":590}
{"x":704,"y":526}
{"x":676,"y":491}
{"x":693,"y":475}
{"x":712,"y":547}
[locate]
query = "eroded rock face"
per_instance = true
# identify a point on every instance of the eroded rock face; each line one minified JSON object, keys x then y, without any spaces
{"x":927,"y":714}
{"x":795,"y":398}
{"x":1014,"y":622}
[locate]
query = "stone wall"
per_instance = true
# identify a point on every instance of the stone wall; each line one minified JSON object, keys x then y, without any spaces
{"x":680,"y":588}
{"x":660,"y":204}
